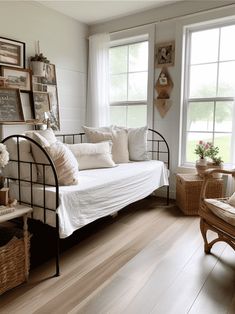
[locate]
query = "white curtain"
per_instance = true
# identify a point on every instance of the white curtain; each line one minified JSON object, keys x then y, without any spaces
{"x":98,"y":81}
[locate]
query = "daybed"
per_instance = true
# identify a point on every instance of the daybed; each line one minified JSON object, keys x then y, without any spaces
{"x":100,"y":192}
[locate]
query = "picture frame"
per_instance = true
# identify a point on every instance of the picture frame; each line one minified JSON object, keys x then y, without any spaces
{"x":17,"y":78}
{"x":27,"y":106}
{"x":54,"y":107}
{"x":12,"y":52}
{"x":10,"y":105}
{"x":41,"y":104}
{"x":165,"y":54}
{"x":50,"y":75}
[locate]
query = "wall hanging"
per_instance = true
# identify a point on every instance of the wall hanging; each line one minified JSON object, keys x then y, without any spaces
{"x":165,"y":54}
{"x":163,"y":87}
{"x":12,"y":52}
{"x":10,"y":105}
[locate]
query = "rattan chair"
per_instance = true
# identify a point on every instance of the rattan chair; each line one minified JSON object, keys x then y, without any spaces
{"x":216,"y":215}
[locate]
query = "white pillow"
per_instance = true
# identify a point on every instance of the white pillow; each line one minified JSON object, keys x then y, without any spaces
{"x":65,"y":163}
{"x":11,"y":169}
{"x":91,"y":156}
{"x":231,"y":200}
{"x":119,"y":138}
{"x":137,"y":142}
{"x":48,"y":134}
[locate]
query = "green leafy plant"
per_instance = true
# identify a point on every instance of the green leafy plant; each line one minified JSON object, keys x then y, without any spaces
{"x":207,"y":149}
{"x":202,"y":149}
{"x":39,"y":57}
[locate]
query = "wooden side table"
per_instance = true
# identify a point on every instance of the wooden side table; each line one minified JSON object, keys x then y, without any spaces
{"x":21,"y":211}
{"x":188,"y":190}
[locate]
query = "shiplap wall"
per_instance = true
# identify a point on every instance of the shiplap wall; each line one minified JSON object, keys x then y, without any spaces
{"x":64,"y":41}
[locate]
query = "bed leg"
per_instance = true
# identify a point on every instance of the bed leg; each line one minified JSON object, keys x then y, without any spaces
{"x":167,"y":194}
{"x":57,"y":240}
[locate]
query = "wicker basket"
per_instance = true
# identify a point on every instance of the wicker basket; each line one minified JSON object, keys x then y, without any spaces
{"x":13,"y":270}
{"x":188,"y":190}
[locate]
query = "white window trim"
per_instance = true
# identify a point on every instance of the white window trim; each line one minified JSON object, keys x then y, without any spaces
{"x":186,"y":83}
{"x":134,"y":36}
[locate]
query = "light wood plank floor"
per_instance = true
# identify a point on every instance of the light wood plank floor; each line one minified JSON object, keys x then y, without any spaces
{"x":148,"y":259}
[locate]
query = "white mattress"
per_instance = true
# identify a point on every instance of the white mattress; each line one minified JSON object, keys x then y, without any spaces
{"x":100,"y":192}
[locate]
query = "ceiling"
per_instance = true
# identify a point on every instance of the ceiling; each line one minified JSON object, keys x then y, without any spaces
{"x":92,"y":12}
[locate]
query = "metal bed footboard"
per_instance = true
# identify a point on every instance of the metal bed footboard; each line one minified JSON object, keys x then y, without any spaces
{"x":30,"y":183}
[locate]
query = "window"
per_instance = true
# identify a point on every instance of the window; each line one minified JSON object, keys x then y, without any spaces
{"x":209,"y":91}
{"x":128,"y":84}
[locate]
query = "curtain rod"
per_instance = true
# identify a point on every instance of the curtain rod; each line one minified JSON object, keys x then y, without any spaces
{"x":175,"y":17}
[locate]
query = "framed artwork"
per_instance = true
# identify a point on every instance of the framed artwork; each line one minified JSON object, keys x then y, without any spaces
{"x":27,"y":107}
{"x":41,"y":104}
{"x":165,"y":54}
{"x":17,"y":78}
{"x":50,"y":76}
{"x":12,"y":52}
{"x":10,"y":105}
{"x":54,"y":105}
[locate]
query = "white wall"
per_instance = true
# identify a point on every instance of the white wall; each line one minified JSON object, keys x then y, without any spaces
{"x":64,"y":41}
{"x":170,"y":27}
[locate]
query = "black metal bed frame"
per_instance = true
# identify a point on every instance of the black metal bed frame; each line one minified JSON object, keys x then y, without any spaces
{"x":156,"y":152}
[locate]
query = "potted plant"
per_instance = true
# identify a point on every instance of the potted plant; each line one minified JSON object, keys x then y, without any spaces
{"x":38,"y":64}
{"x":216,"y":161}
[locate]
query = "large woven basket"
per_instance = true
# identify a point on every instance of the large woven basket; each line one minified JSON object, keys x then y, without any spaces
{"x":12,"y":263}
{"x":188,"y":189}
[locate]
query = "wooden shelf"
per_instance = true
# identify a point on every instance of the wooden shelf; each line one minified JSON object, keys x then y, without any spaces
{"x":22,"y":123}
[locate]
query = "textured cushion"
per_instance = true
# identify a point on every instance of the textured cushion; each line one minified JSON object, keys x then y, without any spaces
{"x":91,"y":155}
{"x":231,"y":200}
{"x":11,"y":169}
{"x":137,"y":142}
{"x":118,"y":137}
{"x":65,"y":163}
{"x":48,"y":134}
{"x":222,"y":209}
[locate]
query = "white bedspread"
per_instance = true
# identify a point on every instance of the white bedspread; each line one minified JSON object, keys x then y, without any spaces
{"x":100,"y":192}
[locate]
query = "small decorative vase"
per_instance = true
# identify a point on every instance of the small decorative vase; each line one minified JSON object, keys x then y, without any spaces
{"x":201,"y":166}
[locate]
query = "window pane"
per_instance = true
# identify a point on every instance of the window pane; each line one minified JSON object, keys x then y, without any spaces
{"x":226,"y":79}
{"x":204,"y":46}
{"x":200,"y":116}
{"x":136,"y":116}
{"x":138,"y":57}
{"x":137,"y":86}
{"x":227,"y":47}
{"x":223,"y":141}
{"x":118,"y":88}
{"x":118,"y":115}
{"x":118,"y":59}
{"x":223,"y":116}
{"x":192,"y":141}
{"x":203,"y":80}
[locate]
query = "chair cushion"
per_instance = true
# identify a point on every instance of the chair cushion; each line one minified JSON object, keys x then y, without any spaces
{"x":222,"y":209}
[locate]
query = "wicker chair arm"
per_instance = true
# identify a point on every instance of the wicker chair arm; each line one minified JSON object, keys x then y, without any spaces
{"x":208,"y":175}
{"x":209,"y":172}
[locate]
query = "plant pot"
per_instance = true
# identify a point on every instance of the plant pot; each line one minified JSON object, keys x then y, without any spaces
{"x":38,"y":68}
{"x":201,"y":166}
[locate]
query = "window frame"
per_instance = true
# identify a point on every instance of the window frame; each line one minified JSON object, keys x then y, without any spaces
{"x":132,"y":36}
{"x":188,"y":30}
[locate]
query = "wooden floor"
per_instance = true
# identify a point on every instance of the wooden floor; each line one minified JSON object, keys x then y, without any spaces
{"x":149,"y":259}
